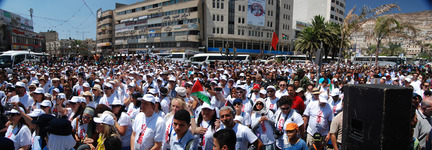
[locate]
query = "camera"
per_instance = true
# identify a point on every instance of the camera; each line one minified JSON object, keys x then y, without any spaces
{"x":8,"y":106}
{"x":218,"y":89}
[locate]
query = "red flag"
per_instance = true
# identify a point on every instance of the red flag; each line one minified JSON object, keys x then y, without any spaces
{"x":275,"y":40}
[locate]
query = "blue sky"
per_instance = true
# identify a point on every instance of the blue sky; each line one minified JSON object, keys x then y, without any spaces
{"x":72,"y":18}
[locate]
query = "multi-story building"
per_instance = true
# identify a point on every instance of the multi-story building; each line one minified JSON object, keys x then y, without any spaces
{"x":50,"y":35}
{"x":202,"y":25}
{"x":305,"y":10}
{"x":17,"y":33}
{"x":105,"y":28}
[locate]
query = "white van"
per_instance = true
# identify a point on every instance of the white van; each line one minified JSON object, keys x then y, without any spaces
{"x":199,"y":59}
{"x":181,"y":57}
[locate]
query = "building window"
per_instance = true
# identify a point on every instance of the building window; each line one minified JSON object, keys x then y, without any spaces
{"x":213,"y":4}
{"x":222,"y":18}
{"x":214,"y":30}
{"x":243,"y":20}
{"x":239,"y":20}
{"x":238,"y":32}
{"x":217,"y":18}
{"x":243,"y":8}
{"x":222,"y":5}
{"x":217,"y":30}
{"x":242,"y":32}
{"x":214,"y":17}
{"x":239,"y":8}
{"x":289,"y":17}
{"x":221,"y":30}
{"x":217,"y":5}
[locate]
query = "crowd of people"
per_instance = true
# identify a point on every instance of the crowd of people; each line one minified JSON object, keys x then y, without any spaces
{"x":148,"y":103}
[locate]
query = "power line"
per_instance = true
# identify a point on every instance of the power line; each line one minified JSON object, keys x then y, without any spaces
{"x":89,"y":8}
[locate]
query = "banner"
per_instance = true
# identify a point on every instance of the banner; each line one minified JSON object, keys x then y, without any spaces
{"x":256,"y":12}
{"x":16,"y":20}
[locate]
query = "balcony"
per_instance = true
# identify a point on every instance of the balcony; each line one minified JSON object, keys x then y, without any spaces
{"x":105,"y":21}
{"x":104,"y":36}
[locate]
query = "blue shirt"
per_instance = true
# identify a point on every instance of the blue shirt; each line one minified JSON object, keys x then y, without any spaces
{"x":300,"y":145}
{"x":180,"y":144}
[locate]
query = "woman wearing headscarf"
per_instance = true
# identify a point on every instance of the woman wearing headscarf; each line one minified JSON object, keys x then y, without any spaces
{"x":84,"y":126}
{"x":262,"y":124}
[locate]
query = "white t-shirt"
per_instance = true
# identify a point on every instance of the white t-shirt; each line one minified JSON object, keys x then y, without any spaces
{"x":21,"y":137}
{"x":246,"y":118}
{"x":281,"y":122}
{"x":244,"y":136}
{"x":206,"y":142}
{"x":319,"y":118}
{"x":26,"y":100}
{"x":82,"y":129}
{"x":336,"y":106}
{"x":165,"y":104}
{"x":125,"y":120}
{"x":169,"y":131}
{"x":272,"y":104}
{"x":280,"y":93}
{"x":107,"y":100}
{"x":132,"y":111}
{"x":247,"y":106}
{"x":265,"y":130}
{"x":148,"y":130}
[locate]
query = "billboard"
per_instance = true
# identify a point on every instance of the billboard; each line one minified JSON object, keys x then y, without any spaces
{"x":16,"y":20}
{"x":256,"y":12}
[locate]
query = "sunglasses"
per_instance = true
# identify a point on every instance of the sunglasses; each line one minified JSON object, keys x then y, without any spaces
{"x":239,"y":92}
{"x":260,"y":104}
{"x":72,"y":103}
{"x":282,"y":85}
{"x":11,"y":115}
{"x":285,"y":108}
{"x":235,"y":104}
{"x":270,"y":91}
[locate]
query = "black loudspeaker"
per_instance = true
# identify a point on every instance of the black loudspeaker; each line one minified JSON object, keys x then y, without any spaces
{"x":376,"y":117}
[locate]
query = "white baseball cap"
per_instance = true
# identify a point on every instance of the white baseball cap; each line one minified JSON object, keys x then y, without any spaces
{"x":335,"y":92}
{"x":20,"y":84}
{"x":14,"y":111}
{"x":116,"y":101}
{"x":108,"y":85}
{"x":46,"y":103}
{"x":172,"y":79}
{"x":86,"y":85}
{"x":61,"y":95}
{"x":205,"y":105}
{"x":104,"y":119}
{"x":149,"y":98}
{"x":322,"y":99}
{"x":74,"y":99}
{"x":39,"y":91}
{"x":262,"y":91}
{"x":36,"y":113}
{"x":271,"y":87}
{"x":181,"y":91}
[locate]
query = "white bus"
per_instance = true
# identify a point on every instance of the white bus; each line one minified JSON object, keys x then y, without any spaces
{"x":382,"y":60}
{"x":290,"y":58}
{"x":181,"y":57}
{"x":10,"y":58}
{"x":199,"y":59}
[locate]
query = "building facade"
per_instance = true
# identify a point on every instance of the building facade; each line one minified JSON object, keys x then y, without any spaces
{"x":50,"y":35}
{"x":17,"y":33}
{"x":305,"y":10}
{"x":105,"y":31}
{"x":201,"y":25}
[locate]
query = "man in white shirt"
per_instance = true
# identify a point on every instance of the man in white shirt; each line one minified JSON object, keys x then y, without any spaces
{"x":415,"y":83}
{"x":108,"y":97}
{"x":22,"y":96}
{"x":148,"y":127}
{"x":244,"y":135}
{"x":318,"y":116}
{"x":247,"y":103}
{"x":271,"y":101}
{"x":282,"y":89}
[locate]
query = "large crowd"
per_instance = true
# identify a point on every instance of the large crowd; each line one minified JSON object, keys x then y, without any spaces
{"x":141,"y":103}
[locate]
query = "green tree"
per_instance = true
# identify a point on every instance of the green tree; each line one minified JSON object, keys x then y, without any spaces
{"x":78,"y":47}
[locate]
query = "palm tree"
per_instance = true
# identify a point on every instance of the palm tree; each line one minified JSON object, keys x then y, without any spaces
{"x":389,"y":26}
{"x":353,"y":22}
{"x":78,"y":47}
{"x":311,"y":37}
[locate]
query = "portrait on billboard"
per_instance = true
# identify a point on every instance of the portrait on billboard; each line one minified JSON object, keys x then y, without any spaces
{"x":256,"y":12}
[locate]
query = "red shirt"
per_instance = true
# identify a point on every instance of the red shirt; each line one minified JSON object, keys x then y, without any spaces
{"x":298,"y":104}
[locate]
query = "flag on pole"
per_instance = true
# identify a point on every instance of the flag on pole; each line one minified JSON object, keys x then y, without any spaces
{"x":275,"y":41}
{"x":198,"y":91}
{"x":284,"y":36}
